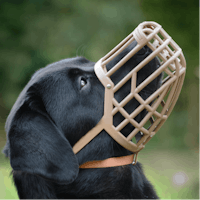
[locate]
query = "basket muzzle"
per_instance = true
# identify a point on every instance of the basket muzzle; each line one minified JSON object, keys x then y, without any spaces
{"x":158,"y":105}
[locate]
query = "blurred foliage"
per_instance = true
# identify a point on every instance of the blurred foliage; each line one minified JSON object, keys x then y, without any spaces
{"x":34,"y":33}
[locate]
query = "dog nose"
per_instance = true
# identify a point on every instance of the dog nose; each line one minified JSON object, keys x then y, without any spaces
{"x":142,"y":51}
{"x":146,"y":51}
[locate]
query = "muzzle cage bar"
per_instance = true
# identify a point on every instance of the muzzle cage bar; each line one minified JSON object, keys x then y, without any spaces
{"x":173,"y":66}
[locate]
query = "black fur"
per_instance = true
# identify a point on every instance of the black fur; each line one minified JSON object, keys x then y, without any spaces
{"x":52,"y":113}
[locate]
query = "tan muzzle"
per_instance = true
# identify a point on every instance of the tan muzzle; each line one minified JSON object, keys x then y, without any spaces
{"x":158,"y":105}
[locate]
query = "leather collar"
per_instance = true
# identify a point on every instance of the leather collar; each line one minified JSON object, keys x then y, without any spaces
{"x":110,"y":162}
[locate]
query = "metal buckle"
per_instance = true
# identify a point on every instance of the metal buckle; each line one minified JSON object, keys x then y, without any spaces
{"x":135,"y":159}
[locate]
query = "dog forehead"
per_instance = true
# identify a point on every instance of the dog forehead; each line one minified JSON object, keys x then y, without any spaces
{"x":64,"y":66}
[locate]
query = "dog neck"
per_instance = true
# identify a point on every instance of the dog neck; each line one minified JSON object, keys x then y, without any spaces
{"x":101,"y":148}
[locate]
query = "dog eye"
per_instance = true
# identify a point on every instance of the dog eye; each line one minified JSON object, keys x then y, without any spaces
{"x":83,"y":82}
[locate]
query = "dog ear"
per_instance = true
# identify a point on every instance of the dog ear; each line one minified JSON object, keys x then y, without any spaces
{"x":36,"y":144}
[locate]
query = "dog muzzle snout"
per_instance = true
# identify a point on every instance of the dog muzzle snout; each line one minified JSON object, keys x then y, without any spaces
{"x":158,"y":104}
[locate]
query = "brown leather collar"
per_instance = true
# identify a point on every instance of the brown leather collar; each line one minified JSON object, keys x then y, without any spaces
{"x":110,"y":162}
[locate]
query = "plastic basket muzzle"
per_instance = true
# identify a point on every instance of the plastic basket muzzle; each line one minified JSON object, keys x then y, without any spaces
{"x":173,"y":66}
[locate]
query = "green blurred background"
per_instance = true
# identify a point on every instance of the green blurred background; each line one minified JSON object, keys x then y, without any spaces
{"x":34,"y":33}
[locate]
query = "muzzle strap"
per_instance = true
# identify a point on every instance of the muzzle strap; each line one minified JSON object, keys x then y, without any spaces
{"x":111,"y":162}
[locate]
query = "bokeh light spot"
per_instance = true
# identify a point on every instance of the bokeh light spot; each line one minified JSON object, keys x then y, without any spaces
{"x":180,"y":178}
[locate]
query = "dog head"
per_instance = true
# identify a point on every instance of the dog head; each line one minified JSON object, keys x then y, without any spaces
{"x":59,"y":105}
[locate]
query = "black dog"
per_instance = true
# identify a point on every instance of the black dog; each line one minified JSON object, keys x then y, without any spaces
{"x":59,"y":105}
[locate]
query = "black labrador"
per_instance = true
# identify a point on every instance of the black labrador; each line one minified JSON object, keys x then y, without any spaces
{"x":59,"y":105}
